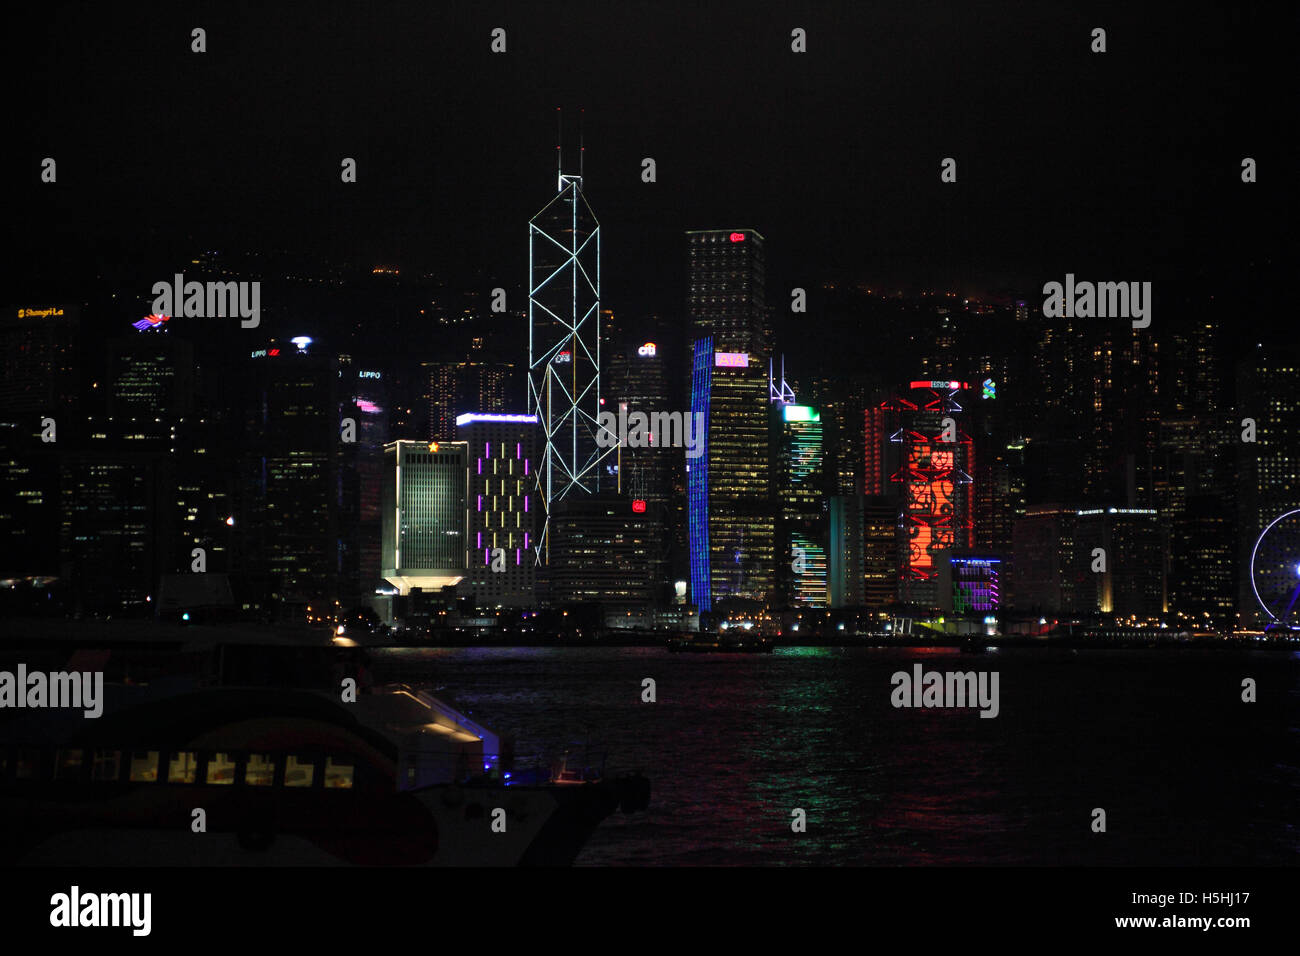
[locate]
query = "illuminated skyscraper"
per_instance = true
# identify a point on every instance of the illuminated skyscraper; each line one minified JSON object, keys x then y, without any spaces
{"x":564,"y":346}
{"x":290,"y":458}
{"x":727,"y":288}
{"x":1268,"y":392}
{"x":38,"y":363}
{"x":502,"y":507}
{"x":732,"y":529}
{"x":638,"y":382}
{"x":936,"y":458}
{"x":456,"y":386}
{"x":424,"y":514}
{"x":801,"y":568}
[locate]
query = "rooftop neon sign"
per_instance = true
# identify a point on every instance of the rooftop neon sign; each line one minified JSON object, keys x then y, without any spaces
{"x":150,"y":322}
{"x":470,"y":417}
{"x":948,"y":385}
{"x":731,"y":359}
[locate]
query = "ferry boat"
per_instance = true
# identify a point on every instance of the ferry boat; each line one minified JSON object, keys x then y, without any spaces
{"x":729,"y":644}
{"x":287,"y":776}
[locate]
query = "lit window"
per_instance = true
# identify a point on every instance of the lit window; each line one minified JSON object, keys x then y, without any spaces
{"x":144,"y":766}
{"x":221,"y":769}
{"x":338,"y":772}
{"x":298,"y":771}
{"x":183,"y":767}
{"x":260,"y":770}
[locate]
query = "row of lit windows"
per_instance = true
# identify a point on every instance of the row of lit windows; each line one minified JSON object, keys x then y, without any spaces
{"x":76,"y":764}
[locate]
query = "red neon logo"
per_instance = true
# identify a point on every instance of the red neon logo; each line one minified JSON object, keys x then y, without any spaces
{"x":638,"y":506}
{"x":273,"y":352}
{"x":737,"y":237}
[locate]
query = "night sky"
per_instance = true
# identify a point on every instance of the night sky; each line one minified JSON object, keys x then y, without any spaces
{"x":1121,"y":166}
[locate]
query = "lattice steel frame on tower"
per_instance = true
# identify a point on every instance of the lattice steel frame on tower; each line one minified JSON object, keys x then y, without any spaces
{"x":564,"y":346}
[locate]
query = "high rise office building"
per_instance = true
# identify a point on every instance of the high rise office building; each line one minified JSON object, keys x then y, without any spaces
{"x":290,"y":456}
{"x":424,"y":508}
{"x":39,"y":367}
{"x":726,"y":289}
{"x":1268,"y":468}
{"x":501,"y":504}
{"x":600,"y":553}
{"x":1081,"y":561}
{"x":452,"y":387}
{"x":801,"y":522}
{"x":564,"y":347}
{"x":935,"y":457}
{"x":730,"y":514}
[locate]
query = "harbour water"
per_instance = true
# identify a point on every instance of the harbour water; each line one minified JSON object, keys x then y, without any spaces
{"x":1187,"y":773}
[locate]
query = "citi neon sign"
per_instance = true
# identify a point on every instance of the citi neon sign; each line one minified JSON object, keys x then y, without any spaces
{"x":647,"y":350}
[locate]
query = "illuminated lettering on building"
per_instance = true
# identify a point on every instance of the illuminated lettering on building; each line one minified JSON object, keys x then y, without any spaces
{"x":647,"y":350}
{"x":39,"y":313}
{"x":731,"y":359}
{"x":737,"y":237}
{"x":638,"y":506}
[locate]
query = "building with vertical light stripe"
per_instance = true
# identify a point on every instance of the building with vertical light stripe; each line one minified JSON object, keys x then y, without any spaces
{"x":730,"y":514}
{"x":502,"y":507}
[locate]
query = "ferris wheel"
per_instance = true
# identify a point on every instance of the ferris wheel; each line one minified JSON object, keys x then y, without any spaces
{"x":1275,"y":572}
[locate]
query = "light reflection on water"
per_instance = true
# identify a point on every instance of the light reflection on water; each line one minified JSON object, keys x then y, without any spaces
{"x":1187,"y":773}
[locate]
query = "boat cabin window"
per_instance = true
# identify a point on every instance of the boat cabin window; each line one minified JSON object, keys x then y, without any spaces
{"x":72,"y":764}
{"x":28,"y":764}
{"x":144,"y":766}
{"x":183,"y":767}
{"x":107,"y":765}
{"x":298,"y":771}
{"x":67,"y":764}
{"x":338,"y":772}
{"x":221,"y":768}
{"x":260,"y":770}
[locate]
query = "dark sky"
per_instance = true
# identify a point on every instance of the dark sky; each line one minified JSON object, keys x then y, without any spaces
{"x":1124,"y":165}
